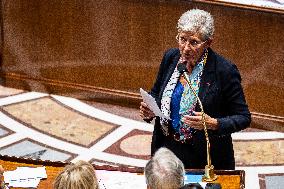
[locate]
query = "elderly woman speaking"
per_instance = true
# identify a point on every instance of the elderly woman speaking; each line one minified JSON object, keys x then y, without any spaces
{"x":218,"y":85}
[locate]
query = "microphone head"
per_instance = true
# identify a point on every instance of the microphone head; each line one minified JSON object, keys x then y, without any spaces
{"x":182,"y":67}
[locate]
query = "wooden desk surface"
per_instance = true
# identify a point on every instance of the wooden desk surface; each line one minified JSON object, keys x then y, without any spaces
{"x":229,"y":179}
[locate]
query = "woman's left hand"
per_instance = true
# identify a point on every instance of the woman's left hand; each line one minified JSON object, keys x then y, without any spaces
{"x":195,"y":121}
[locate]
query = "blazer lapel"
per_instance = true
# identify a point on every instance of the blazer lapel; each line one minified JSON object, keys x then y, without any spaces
{"x":169,"y":74}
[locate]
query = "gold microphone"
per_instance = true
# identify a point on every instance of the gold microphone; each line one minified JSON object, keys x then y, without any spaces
{"x":209,"y":174}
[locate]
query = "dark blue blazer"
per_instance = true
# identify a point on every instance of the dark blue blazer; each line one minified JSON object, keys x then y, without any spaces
{"x":222,"y":97}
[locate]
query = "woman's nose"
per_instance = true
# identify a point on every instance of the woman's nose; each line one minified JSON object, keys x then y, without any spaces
{"x":187,"y":47}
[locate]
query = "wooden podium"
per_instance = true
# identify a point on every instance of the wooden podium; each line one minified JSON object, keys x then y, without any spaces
{"x":229,"y":179}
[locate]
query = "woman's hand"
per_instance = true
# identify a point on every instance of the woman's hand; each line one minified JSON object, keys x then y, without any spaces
{"x":145,"y":112}
{"x":195,"y":121}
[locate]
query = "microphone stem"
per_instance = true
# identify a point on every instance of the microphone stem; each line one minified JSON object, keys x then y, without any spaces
{"x":209,"y":175}
{"x":202,"y":117}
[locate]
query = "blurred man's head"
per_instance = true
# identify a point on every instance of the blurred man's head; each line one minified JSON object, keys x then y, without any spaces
{"x":192,"y":186}
{"x":164,"y":171}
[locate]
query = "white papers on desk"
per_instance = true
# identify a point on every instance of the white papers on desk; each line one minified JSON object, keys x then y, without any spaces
{"x":120,"y":180}
{"x":25,"y":177}
{"x":151,"y":102}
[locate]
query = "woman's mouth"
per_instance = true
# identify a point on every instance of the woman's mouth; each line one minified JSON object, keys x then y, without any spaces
{"x":188,"y":56}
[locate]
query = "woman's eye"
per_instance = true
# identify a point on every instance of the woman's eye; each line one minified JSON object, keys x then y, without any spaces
{"x":194,"y":42}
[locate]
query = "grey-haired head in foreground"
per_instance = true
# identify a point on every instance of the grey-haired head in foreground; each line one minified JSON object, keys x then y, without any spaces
{"x":164,"y":170}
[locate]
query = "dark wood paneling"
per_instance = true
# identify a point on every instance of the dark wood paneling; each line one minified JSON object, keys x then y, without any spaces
{"x":106,"y":50}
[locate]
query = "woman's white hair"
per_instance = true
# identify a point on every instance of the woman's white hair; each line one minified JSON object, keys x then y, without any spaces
{"x":197,"y":21}
{"x":164,"y":170}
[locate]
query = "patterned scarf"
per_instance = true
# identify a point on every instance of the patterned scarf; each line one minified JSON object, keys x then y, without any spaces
{"x":188,"y":99}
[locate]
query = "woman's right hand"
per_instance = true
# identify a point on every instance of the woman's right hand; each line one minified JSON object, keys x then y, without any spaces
{"x":145,"y":112}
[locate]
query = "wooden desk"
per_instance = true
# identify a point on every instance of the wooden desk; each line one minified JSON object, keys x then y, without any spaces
{"x":229,"y":179}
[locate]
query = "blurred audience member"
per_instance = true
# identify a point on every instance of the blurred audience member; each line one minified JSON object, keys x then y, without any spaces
{"x":192,"y":186}
{"x":164,"y":171}
{"x":80,"y":175}
{"x":213,"y":186}
{"x":198,"y":186}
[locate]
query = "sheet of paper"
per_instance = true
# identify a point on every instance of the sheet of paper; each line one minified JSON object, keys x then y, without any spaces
{"x":27,"y":183}
{"x":34,"y":172}
{"x":25,"y":177}
{"x":120,"y":180}
{"x":151,"y":102}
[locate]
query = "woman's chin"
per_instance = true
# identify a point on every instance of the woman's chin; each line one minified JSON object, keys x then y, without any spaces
{"x":189,"y":58}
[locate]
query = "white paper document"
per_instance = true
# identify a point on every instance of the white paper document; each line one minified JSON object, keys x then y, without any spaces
{"x":120,"y":180}
{"x":25,"y":177}
{"x":152,"y":104}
